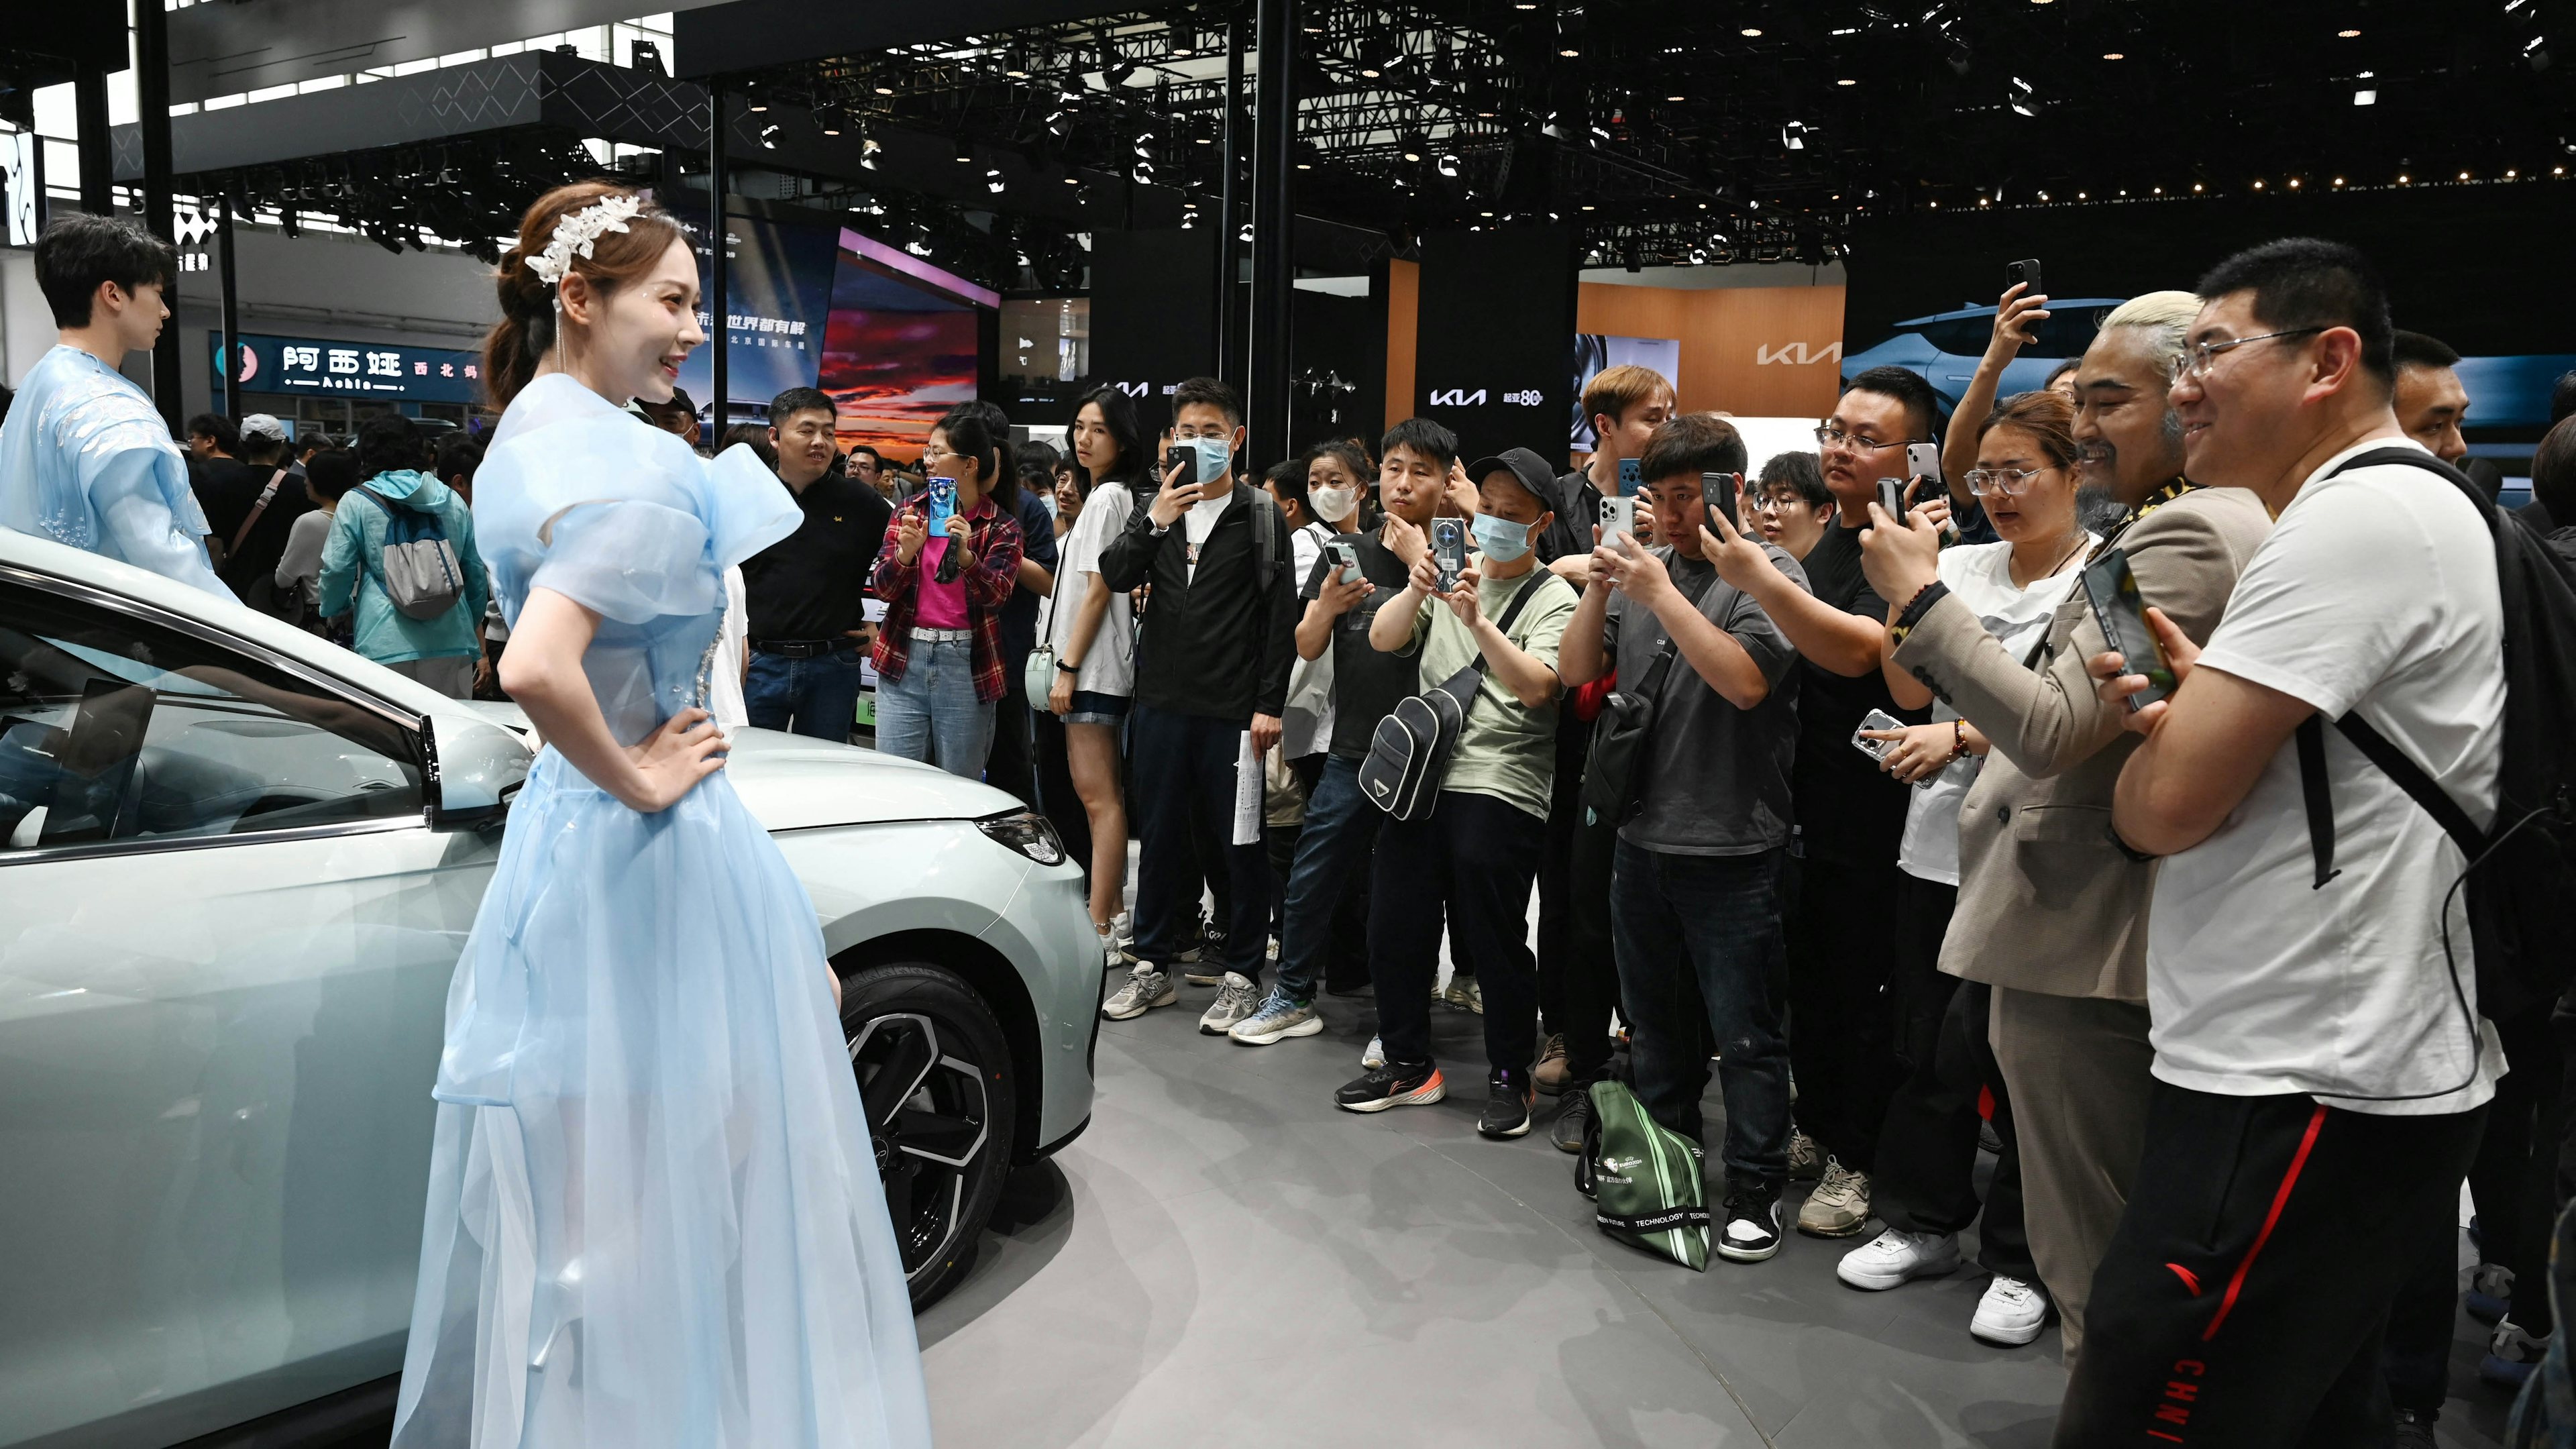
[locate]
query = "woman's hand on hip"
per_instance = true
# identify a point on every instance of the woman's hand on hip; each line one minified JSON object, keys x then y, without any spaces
{"x":673,"y":759}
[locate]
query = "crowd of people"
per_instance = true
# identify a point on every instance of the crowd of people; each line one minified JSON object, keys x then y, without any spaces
{"x":1856,"y":807}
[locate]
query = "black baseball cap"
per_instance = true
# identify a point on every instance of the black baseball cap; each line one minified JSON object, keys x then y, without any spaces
{"x":1527,"y":469}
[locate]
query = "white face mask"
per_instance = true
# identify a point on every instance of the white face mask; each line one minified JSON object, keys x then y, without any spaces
{"x":1333,"y":504}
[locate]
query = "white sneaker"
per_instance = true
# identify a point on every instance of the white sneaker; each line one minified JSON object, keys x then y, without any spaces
{"x":1464,"y":993}
{"x":2012,"y":1313}
{"x":1375,"y":1056}
{"x":1839,"y":1206}
{"x":1896,"y":1255}
{"x":1238,"y":999}
{"x":1146,"y":989}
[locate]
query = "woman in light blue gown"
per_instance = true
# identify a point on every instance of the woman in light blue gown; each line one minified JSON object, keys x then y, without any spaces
{"x":654,"y":1217}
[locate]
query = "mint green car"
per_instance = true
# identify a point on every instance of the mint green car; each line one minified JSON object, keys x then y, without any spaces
{"x":237,"y":866}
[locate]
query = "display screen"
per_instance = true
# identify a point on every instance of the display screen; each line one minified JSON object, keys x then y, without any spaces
{"x":900,"y":349}
{"x":778,"y":289}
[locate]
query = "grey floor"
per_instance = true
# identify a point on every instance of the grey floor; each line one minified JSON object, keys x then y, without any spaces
{"x":1223,"y":1258}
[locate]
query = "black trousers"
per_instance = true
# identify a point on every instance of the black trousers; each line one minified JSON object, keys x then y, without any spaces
{"x":1925,"y":1181}
{"x":2245,"y":1295}
{"x":1185,"y":794}
{"x":1056,"y":795}
{"x":1578,"y":966}
{"x":1841,"y":936}
{"x":1010,"y":765}
{"x":1476,"y":856}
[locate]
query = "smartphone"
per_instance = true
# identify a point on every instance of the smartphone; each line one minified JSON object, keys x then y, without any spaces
{"x":1448,"y":550}
{"x":1207,"y":457}
{"x":1923,"y":460}
{"x":2113,"y":591}
{"x":941,"y":500}
{"x":1891,"y":496}
{"x":1630,"y":478}
{"x":1618,"y":519}
{"x":1348,"y":557}
{"x":2025,"y":272}
{"x":1877,"y":719}
{"x":1717,"y":492}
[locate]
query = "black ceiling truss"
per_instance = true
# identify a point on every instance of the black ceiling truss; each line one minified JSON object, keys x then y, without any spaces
{"x":1664,"y":131}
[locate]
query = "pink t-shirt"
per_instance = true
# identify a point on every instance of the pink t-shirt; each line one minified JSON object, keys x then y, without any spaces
{"x":943,"y":606}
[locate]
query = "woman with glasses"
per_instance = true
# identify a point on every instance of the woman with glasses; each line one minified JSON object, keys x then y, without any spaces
{"x":1923,"y":1190}
{"x":939,"y":654}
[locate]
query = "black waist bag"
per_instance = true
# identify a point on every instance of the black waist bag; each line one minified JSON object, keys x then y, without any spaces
{"x":1609,"y":790}
{"x":1410,"y":751}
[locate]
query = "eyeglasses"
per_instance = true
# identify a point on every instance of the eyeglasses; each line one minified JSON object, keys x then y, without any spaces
{"x":1774,"y":502}
{"x":2001,"y":482}
{"x":2197,"y":358}
{"x":1829,"y":436}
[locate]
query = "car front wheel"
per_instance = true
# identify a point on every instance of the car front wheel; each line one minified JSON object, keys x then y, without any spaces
{"x":935,"y":1076}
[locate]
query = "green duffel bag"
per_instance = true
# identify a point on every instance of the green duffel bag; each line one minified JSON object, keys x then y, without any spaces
{"x":1643,"y":1179}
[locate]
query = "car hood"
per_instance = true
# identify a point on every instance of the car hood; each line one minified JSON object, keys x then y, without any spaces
{"x":792,"y":782}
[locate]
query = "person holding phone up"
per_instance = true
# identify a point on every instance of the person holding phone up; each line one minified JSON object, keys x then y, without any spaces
{"x":2051,"y":915}
{"x":1212,"y":663}
{"x":939,"y":655}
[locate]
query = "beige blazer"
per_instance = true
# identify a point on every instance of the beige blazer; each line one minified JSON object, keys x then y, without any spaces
{"x":2047,"y":902}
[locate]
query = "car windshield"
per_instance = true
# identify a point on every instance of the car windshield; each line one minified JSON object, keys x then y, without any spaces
{"x":113,"y":729}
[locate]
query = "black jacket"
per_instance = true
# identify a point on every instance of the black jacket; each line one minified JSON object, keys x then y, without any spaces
{"x":1219,"y":646}
{"x":1577,"y":507}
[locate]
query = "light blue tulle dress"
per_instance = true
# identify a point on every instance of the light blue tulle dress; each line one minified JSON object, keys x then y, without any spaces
{"x":654,"y":1217}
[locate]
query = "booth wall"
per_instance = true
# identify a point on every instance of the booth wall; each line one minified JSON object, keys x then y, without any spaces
{"x":1753,"y":351}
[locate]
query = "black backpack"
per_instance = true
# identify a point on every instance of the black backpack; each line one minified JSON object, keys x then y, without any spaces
{"x":2521,"y":875}
{"x":1410,"y":751}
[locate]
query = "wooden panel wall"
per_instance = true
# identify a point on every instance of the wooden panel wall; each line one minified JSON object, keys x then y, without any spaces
{"x":1726,"y":334}
{"x":1403,"y":311}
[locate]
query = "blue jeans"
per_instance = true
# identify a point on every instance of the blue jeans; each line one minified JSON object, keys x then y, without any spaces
{"x":1716,"y":917}
{"x":932,"y":714}
{"x":1340,"y":827}
{"x":820,"y":695}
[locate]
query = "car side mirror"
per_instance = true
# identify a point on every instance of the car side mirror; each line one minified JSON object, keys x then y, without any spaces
{"x":475,"y":770}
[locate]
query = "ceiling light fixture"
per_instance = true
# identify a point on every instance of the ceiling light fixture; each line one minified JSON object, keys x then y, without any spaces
{"x":2365,"y":98}
{"x":1847,"y":81}
{"x":1751,"y":32}
{"x":1569,"y":52}
{"x":2347,"y":34}
{"x":2114,"y":55}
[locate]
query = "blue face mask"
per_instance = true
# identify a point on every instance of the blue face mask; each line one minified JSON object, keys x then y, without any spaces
{"x":1500,"y":539}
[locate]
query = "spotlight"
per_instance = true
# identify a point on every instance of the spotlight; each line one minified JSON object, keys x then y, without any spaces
{"x":758,"y":105}
{"x":868,"y":149}
{"x":1415,"y":146}
{"x":965,"y":151}
{"x":2114,"y":55}
{"x":769,"y":137}
{"x":1448,"y":165}
{"x":2365,"y":98}
{"x":1793,"y":136}
{"x":993,"y":180}
{"x":2347,"y":34}
{"x":1751,"y":32}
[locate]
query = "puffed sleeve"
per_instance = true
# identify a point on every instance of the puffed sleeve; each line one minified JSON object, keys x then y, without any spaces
{"x":622,"y":518}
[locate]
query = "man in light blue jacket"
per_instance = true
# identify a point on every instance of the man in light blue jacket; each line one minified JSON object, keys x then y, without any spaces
{"x":444,"y":651}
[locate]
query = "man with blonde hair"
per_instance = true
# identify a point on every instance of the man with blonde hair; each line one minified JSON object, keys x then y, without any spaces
{"x":2052,"y":913}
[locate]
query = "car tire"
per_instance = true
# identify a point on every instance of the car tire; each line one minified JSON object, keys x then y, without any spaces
{"x":936,"y":1079}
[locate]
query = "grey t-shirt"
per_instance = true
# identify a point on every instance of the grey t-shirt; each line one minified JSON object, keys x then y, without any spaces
{"x":1714,"y":779}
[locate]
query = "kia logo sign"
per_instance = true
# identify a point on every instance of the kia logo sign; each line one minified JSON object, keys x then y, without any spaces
{"x":1459,"y":397}
{"x":1795,"y":354}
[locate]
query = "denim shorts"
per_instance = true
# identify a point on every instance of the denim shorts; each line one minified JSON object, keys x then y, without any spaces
{"x":1093,"y":708}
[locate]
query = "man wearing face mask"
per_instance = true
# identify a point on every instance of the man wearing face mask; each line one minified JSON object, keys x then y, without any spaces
{"x":1212,"y":661}
{"x":1341,"y":826}
{"x":1478,"y":850}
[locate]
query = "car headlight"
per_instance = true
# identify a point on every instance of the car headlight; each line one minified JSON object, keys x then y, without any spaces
{"x":1027,"y":832}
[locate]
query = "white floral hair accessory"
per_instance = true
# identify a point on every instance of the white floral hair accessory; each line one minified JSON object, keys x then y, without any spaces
{"x":577,"y":232}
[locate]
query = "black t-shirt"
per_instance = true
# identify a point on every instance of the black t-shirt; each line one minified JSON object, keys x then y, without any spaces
{"x":1366,"y":682}
{"x":1849,"y":811}
{"x":813,"y":583}
{"x":230,"y":491}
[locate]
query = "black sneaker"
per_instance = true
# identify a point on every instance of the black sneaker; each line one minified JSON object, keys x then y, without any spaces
{"x":1751,"y":1230}
{"x":1570,"y":1123}
{"x":1511,"y":1097}
{"x":1396,"y":1084}
{"x":2415,"y":1429}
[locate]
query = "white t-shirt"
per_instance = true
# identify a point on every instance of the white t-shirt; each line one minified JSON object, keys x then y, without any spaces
{"x":1200,"y":521}
{"x":2375,"y":592}
{"x":724,"y":675}
{"x":1109,"y":665}
{"x":1981,"y":575}
{"x":1303,"y":734}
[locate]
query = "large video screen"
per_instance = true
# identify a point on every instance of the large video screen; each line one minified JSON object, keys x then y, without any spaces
{"x":901,"y":346}
{"x":778,"y":288}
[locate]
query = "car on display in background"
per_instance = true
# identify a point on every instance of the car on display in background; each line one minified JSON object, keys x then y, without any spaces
{"x":1945,"y":346}
{"x":237,"y":866}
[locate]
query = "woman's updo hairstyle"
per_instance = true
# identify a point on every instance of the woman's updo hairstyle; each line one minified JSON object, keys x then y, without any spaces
{"x":2047,"y":417}
{"x":527,"y":326}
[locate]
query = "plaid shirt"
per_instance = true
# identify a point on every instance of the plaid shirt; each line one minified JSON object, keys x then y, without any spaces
{"x":993,"y":546}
